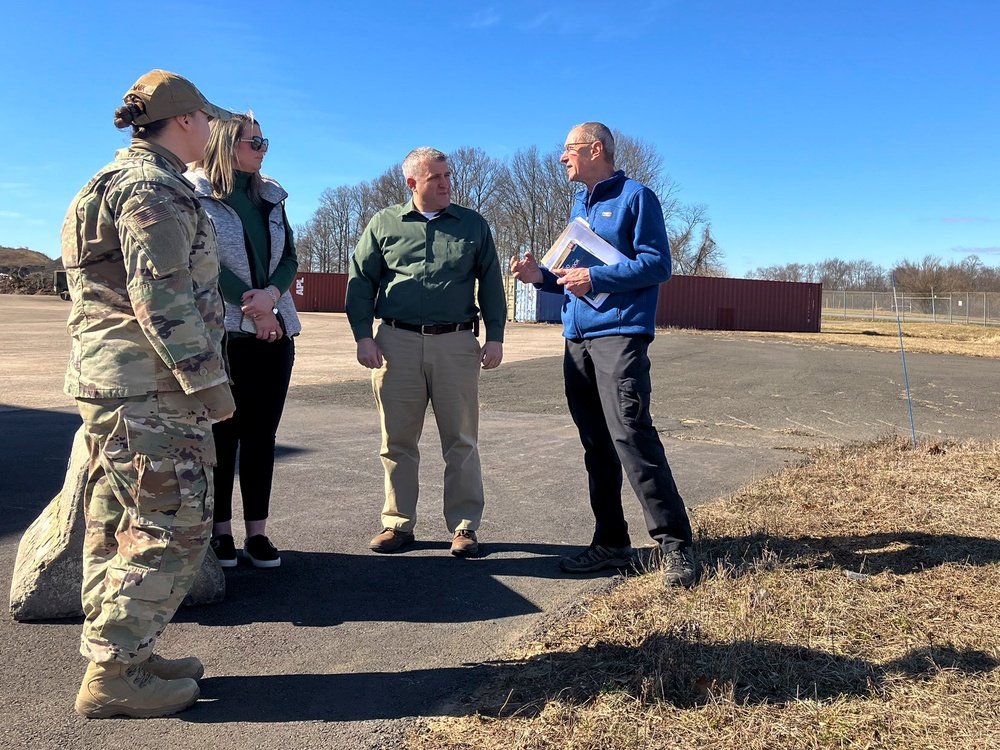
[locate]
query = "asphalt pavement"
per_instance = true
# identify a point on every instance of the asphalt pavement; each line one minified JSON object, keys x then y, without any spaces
{"x":342,"y":648}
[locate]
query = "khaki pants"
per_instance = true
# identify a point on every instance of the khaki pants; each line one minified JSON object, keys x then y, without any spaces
{"x":148,"y":509}
{"x":444,"y":370}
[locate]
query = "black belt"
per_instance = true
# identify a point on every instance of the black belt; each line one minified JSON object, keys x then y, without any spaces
{"x":431,"y":330}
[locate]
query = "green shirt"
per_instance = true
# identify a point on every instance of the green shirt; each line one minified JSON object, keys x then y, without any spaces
{"x":424,"y":272}
{"x":258,"y":240}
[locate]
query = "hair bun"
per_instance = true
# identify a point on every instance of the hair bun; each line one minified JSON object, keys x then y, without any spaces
{"x":124,"y":116}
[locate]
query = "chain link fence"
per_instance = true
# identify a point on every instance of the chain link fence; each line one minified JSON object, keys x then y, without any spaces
{"x":974,"y":308}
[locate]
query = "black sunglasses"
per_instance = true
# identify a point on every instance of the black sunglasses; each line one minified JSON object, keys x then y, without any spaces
{"x":256,"y":143}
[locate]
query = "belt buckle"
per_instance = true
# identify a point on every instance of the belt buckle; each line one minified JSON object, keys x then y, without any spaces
{"x":423,"y":331}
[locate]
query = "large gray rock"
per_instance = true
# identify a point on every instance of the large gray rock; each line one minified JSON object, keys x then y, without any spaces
{"x":48,"y":572}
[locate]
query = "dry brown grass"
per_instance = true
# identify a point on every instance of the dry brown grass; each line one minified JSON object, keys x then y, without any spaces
{"x":928,"y":338}
{"x":846,"y":603}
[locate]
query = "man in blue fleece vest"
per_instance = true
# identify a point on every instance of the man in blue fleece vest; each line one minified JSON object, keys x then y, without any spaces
{"x":606,"y":364}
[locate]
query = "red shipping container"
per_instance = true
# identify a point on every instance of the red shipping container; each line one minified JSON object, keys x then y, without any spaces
{"x":719,"y":304}
{"x":319,"y":292}
{"x":703,"y":302}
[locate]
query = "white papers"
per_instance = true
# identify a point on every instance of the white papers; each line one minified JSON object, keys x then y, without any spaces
{"x":578,"y":246}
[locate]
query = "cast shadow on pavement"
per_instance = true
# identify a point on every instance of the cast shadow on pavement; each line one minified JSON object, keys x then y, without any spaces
{"x":35,"y":445}
{"x":331,"y":697}
{"x":324,"y":589}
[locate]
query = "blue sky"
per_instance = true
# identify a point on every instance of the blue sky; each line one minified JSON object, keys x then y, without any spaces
{"x":849,"y":128}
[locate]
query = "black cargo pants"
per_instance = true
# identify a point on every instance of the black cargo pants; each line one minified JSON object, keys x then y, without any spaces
{"x":608,"y":391}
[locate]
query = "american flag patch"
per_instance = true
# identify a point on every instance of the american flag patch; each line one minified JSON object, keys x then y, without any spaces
{"x":149,"y":215}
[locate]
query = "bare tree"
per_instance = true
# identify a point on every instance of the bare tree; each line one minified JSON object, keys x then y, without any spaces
{"x":304,"y":246}
{"x":969,"y":274}
{"x":534,"y":202}
{"x":919,"y":277}
{"x":982,"y":278}
{"x":475,"y":178}
{"x":692,"y":246}
{"x":314,"y":241}
{"x":641,"y":161}
{"x":337,"y":205}
{"x":863,"y":274}
{"x":834,"y":273}
{"x":914,"y":277}
{"x":788,"y":272}
{"x":522,"y":197}
{"x":388,"y":189}
{"x":526,"y":199}
{"x":560,"y":192}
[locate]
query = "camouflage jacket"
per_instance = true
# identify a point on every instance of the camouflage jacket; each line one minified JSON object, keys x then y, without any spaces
{"x":142,"y":268}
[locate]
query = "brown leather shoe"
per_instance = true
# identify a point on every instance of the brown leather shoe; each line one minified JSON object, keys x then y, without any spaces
{"x":391,"y":540}
{"x":465,"y":543}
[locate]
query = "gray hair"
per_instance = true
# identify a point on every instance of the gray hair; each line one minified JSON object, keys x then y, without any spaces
{"x":414,"y":159}
{"x":598,"y":131}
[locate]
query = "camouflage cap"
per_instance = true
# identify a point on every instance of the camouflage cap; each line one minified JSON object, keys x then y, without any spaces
{"x":165,"y":94}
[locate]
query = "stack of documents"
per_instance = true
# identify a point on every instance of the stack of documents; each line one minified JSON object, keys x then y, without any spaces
{"x":578,"y":246}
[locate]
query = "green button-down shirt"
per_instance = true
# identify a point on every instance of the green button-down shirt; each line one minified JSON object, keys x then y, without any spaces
{"x":424,"y":272}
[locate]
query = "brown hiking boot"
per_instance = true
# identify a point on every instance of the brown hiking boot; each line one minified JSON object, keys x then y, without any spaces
{"x":465,"y":543}
{"x":391,"y":540}
{"x":116,"y":689}
{"x":174,"y":669}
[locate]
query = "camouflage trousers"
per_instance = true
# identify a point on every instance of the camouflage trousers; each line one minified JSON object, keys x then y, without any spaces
{"x":148,"y":509}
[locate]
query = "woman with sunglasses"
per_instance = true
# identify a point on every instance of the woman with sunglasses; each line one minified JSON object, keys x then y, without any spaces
{"x":258,"y":262}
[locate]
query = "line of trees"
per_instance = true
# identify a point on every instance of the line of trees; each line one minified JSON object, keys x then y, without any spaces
{"x":930,"y":274}
{"x":526,"y":199}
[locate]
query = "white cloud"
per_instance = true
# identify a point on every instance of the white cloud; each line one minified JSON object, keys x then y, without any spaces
{"x":484,"y":19}
{"x":976,"y":250}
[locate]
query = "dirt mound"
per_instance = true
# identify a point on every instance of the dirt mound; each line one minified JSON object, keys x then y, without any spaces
{"x":19,"y":257}
{"x":24,"y":271}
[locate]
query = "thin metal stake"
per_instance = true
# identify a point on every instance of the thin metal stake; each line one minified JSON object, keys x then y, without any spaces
{"x":906,"y":380}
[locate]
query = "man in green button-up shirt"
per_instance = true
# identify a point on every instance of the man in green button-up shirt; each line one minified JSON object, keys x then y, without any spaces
{"x":416,"y":268}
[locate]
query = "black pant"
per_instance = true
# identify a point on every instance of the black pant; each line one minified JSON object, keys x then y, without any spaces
{"x":260,"y":372}
{"x":608,"y":390}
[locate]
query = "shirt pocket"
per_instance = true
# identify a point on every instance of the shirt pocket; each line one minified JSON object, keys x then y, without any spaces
{"x":455,"y":257}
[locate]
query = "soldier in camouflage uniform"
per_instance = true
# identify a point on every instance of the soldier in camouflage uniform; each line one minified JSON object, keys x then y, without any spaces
{"x":148,"y":374}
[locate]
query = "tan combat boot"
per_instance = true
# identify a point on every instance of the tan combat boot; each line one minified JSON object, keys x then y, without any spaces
{"x":116,"y":689}
{"x":174,"y":669}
